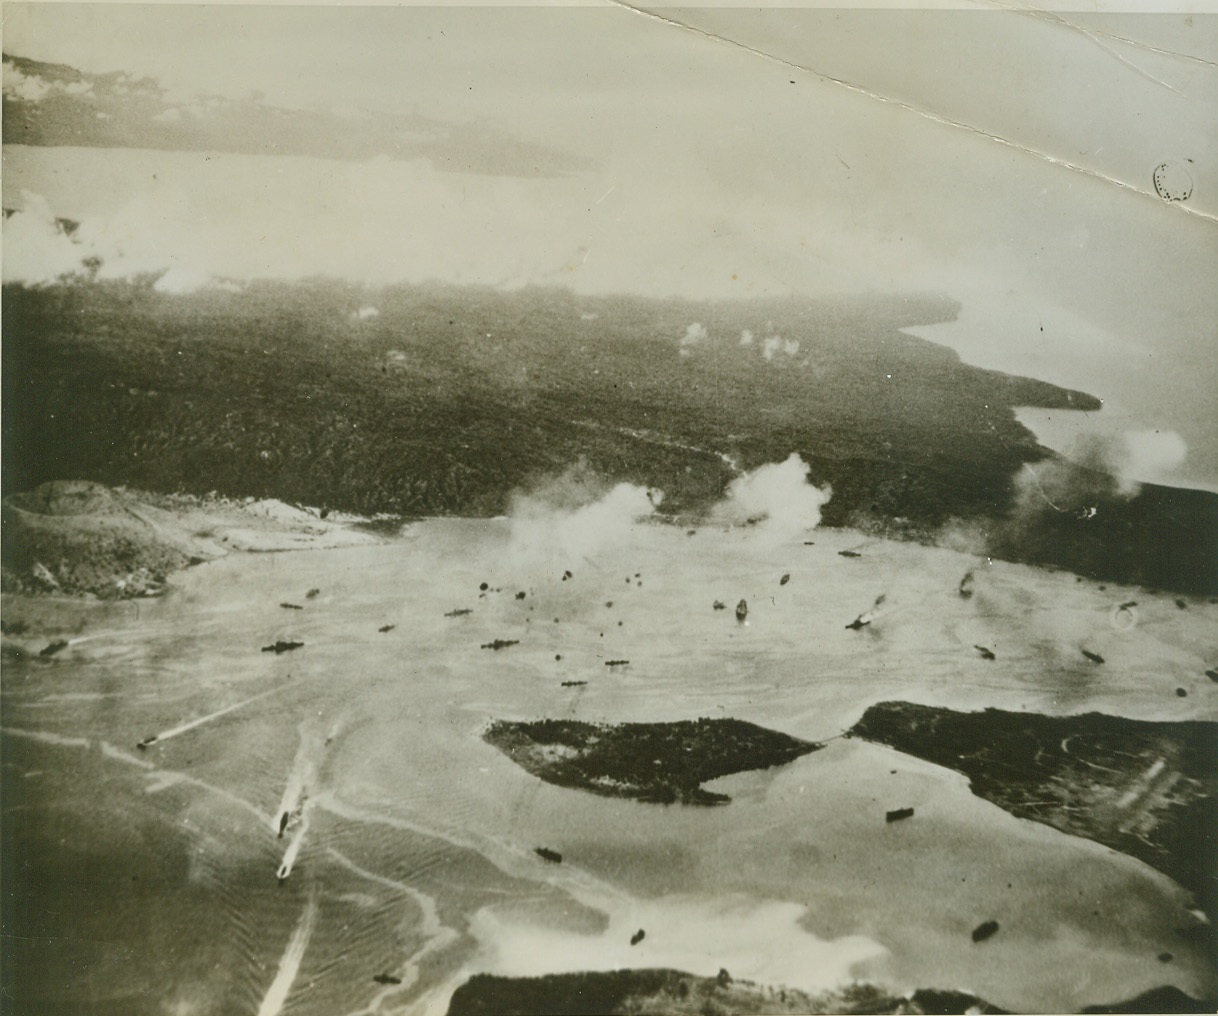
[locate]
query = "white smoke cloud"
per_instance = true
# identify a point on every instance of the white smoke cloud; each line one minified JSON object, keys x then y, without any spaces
{"x":775,"y":344}
{"x":36,"y":250}
{"x":1095,"y":470}
{"x":18,"y":85}
{"x":574,"y":516}
{"x":32,"y":88}
{"x":746,"y":338}
{"x":1096,"y":467}
{"x":776,"y":497}
{"x":1148,"y":456}
{"x":694,"y":334}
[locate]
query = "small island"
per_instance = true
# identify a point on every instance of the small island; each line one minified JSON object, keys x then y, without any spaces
{"x":664,"y":763}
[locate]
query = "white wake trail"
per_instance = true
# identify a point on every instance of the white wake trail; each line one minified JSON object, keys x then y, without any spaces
{"x":289,"y":964}
{"x":175,"y":731}
{"x":290,"y":855}
{"x":300,"y":776}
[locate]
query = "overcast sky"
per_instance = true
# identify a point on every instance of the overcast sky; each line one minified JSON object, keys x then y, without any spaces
{"x":719,"y":153}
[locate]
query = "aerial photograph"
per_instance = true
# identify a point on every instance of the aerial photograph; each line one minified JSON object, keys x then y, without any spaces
{"x":586,"y":508}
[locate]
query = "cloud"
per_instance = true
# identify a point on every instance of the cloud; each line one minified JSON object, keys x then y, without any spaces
{"x":18,"y":85}
{"x":170,"y":115}
{"x":36,"y":250}
{"x":774,"y":345}
{"x":1096,"y":470}
{"x":694,"y":334}
{"x":1098,"y":467}
{"x":34,"y":88}
{"x":573,"y":516}
{"x":1149,"y":455}
{"x":776,"y":497}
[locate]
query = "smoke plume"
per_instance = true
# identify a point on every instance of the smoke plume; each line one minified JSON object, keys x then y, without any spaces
{"x":1099,"y":468}
{"x":36,"y":249}
{"x":574,"y":516}
{"x":776,"y":497}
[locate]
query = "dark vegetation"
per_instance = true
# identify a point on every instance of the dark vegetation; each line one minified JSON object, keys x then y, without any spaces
{"x":674,"y":992}
{"x":1148,"y":789}
{"x":453,"y":398}
{"x":658,"y":762}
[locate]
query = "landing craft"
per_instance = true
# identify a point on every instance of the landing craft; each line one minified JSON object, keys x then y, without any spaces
{"x":868,"y":616}
{"x":742,"y":610}
{"x":984,"y":931}
{"x":283,"y":823}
